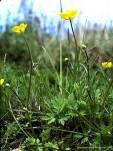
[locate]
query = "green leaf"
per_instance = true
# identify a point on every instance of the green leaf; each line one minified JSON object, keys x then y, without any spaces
{"x":51,"y":145}
{"x":84,"y":140}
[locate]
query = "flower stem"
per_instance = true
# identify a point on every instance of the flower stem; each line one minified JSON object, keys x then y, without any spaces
{"x":61,"y":66}
{"x":87,"y":58}
{"x":76,"y":46}
{"x":19,"y":125}
{"x":30,"y":76}
{"x":61,"y":8}
{"x":75,"y":40}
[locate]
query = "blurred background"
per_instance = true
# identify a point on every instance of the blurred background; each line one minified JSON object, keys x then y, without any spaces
{"x":93,"y":27}
{"x":11,"y":12}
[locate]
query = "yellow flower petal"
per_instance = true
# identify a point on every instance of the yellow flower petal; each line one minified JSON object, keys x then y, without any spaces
{"x":16,"y":29}
{"x":1,"y":81}
{"x":20,"y":28}
{"x":69,"y":14}
{"x":107,"y":65}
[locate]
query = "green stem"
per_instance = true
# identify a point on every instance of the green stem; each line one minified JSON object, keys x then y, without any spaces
{"x":10,"y":107}
{"x":60,"y":66}
{"x":31,"y":68}
{"x":20,"y":99}
{"x":22,"y":105}
{"x":61,"y":8}
{"x":76,"y":45}
{"x":88,"y":77}
{"x":75,"y":40}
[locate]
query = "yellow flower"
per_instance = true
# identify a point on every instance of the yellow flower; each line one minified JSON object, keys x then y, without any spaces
{"x":69,"y":14}
{"x":107,"y":65}
{"x":20,"y":28}
{"x":1,"y":81}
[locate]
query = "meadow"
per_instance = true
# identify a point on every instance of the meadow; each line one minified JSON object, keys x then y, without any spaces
{"x":56,"y":94}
